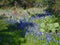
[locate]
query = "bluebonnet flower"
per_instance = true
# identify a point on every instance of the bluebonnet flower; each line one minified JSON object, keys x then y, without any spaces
{"x":22,"y":25}
{"x":22,"y":19}
{"x":58,"y":34}
{"x":31,"y":24}
{"x":32,"y":17}
{"x":28,"y":23}
{"x":47,"y":35}
{"x":41,"y":33}
{"x":48,"y":39}
{"x":39,"y":15}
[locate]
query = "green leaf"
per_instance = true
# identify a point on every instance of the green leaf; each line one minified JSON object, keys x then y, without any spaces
{"x":56,"y":24}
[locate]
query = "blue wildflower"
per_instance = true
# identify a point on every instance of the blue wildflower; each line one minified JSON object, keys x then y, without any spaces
{"x":47,"y":35}
{"x":58,"y":34}
{"x":21,"y":22}
{"x":41,"y":33}
{"x":31,"y":24}
{"x":39,"y":15}
{"x":22,"y":25}
{"x":48,"y":39}
{"x":22,"y":19}
{"x":32,"y":17}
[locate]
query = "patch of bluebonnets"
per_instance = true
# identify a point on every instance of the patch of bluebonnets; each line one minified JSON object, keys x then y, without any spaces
{"x":49,"y":37}
{"x":22,"y":25}
{"x":43,"y":15}
{"x":40,"y":15}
